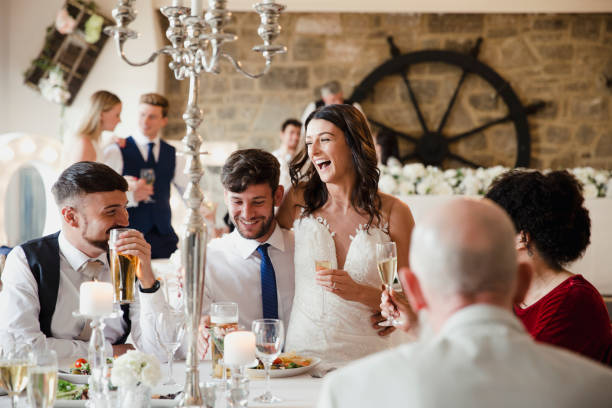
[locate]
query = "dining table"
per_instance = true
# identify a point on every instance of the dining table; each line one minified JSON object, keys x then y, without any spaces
{"x":299,"y":391}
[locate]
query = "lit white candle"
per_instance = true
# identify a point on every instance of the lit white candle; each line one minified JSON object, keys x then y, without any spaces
{"x":96,"y":298}
{"x":196,"y":8}
{"x":239,"y":348}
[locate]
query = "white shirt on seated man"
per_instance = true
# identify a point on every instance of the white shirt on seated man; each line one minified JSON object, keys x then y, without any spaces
{"x":464,"y":273}
{"x":92,"y":200}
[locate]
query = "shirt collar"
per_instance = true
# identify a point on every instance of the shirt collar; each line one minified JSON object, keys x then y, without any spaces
{"x":245,"y":247}
{"x":73,"y":256}
{"x":480,"y":314}
{"x":143,"y":140}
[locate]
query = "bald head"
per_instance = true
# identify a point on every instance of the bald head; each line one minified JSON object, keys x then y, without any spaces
{"x":465,"y":247}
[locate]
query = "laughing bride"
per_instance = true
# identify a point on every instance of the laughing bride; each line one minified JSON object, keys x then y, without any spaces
{"x":339,"y":216}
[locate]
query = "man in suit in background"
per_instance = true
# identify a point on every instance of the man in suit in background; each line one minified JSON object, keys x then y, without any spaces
{"x":149,"y":204}
{"x":465,"y":275}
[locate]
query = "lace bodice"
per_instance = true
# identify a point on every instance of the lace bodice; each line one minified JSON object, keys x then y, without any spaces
{"x":341,"y":330}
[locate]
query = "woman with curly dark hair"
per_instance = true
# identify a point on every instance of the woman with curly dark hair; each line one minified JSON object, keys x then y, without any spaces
{"x":553,"y":231}
{"x":339,"y":216}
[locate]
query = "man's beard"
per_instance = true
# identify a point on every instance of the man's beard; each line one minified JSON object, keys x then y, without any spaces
{"x":267,"y":224}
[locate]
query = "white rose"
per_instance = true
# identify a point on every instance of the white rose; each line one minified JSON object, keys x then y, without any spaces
{"x":601,"y":178}
{"x":406,"y":188}
{"x":414,"y":171}
{"x":425,"y":186}
{"x":471,"y":185}
{"x":609,"y":189}
{"x":387,"y":184}
{"x":590,"y":191}
{"x":442,"y":188}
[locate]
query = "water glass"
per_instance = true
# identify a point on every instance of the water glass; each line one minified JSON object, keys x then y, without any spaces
{"x":42,"y":379}
{"x":269,"y":340}
{"x":238,"y":393}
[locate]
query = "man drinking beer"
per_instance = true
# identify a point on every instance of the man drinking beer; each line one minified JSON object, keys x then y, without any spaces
{"x":42,"y":277}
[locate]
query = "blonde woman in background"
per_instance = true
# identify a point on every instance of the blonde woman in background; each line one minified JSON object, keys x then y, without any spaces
{"x":103,"y":115}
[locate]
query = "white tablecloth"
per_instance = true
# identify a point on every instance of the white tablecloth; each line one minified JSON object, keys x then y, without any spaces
{"x":595,"y":266}
{"x":297,"y":392}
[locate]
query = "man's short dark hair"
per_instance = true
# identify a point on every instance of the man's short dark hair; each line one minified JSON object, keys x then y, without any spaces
{"x":156,"y":100}
{"x":85,"y":178}
{"x":249,"y":167}
{"x":291,"y":122}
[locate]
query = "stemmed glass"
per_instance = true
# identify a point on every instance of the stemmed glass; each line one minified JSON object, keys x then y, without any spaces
{"x":170,"y":328}
{"x":14,"y":364}
{"x":148,"y":175}
{"x":321,"y":265}
{"x":42,"y":379}
{"x":269,"y":339}
{"x":386,"y":258}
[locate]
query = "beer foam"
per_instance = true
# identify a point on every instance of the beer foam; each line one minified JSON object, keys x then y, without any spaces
{"x":223,"y":319}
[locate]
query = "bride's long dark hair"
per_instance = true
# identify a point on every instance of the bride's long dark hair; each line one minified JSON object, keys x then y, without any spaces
{"x":364,"y":197}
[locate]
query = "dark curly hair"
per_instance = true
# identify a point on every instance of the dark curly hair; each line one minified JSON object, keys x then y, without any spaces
{"x":550,"y":208}
{"x":359,"y":140}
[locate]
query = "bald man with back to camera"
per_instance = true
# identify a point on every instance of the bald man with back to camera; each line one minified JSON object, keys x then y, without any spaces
{"x":465,"y":275}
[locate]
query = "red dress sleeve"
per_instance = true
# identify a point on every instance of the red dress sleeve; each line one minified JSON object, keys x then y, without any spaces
{"x":572,"y":316}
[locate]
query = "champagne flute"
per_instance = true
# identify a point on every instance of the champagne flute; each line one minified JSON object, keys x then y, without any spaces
{"x":148,"y":175}
{"x":170,"y":328}
{"x":14,"y":365}
{"x":321,"y":265}
{"x":42,"y":379}
{"x":269,"y":339}
{"x":386,"y":258}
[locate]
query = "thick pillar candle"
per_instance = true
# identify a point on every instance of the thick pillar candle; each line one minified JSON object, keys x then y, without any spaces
{"x":239,"y":348}
{"x":196,"y":8}
{"x":96,"y":298}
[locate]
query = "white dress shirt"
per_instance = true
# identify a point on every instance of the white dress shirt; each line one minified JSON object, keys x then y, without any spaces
{"x":20,"y":307}
{"x":233,"y":274}
{"x":482,"y":357}
{"x":112,"y":157}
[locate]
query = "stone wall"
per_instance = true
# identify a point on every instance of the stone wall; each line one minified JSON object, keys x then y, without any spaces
{"x":564,"y":60}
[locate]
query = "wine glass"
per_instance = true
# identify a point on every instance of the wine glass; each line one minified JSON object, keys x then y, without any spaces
{"x":148,"y":175}
{"x":170,"y":328}
{"x":321,"y":265}
{"x":42,"y":379}
{"x":14,"y":365}
{"x":269,"y":339}
{"x":386,"y":259}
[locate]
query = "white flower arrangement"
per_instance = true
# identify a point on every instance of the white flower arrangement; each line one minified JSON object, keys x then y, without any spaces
{"x":135,"y":368}
{"x":53,"y":87}
{"x":415,"y":178}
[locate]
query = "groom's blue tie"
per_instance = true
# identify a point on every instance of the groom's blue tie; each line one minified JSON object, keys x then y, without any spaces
{"x":268,"y":284}
{"x":150,"y":163}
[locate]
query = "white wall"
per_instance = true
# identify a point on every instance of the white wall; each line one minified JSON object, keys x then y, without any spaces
{"x":26,"y":110}
{"x":4,"y":52}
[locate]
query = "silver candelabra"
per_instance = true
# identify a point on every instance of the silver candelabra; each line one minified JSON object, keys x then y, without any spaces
{"x":197,"y":40}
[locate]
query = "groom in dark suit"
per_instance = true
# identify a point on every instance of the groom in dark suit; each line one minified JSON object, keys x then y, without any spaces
{"x":149,"y":206}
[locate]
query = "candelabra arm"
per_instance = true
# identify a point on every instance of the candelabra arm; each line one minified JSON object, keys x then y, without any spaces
{"x":164,"y":50}
{"x":238,"y":66}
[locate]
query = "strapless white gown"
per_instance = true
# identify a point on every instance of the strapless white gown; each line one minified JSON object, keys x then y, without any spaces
{"x":342,"y":332}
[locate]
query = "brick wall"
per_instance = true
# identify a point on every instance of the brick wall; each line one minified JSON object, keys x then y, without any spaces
{"x":564,"y":60}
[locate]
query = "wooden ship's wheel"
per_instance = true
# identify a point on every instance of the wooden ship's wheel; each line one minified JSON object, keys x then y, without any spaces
{"x":441,"y":144}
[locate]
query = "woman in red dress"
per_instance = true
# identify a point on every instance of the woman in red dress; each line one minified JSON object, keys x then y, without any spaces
{"x":553,"y":226}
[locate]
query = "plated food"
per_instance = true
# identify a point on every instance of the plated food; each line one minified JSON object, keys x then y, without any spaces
{"x":286,"y":365}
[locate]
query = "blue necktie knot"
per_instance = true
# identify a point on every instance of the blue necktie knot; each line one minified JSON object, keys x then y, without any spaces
{"x":269,"y":298}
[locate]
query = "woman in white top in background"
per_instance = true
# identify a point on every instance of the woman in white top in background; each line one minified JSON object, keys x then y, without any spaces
{"x":103,"y":115}
{"x":339,"y":216}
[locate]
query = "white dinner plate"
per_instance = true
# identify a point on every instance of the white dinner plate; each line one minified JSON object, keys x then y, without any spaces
{"x":288,"y":372}
{"x":74,"y":378}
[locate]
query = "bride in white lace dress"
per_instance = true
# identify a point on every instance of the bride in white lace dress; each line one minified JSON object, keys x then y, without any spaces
{"x":338,"y":215}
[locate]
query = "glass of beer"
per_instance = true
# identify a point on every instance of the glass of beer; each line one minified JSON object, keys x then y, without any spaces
{"x":223,"y":320}
{"x":386,"y":258}
{"x":123,"y":270}
{"x":42,"y":379}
